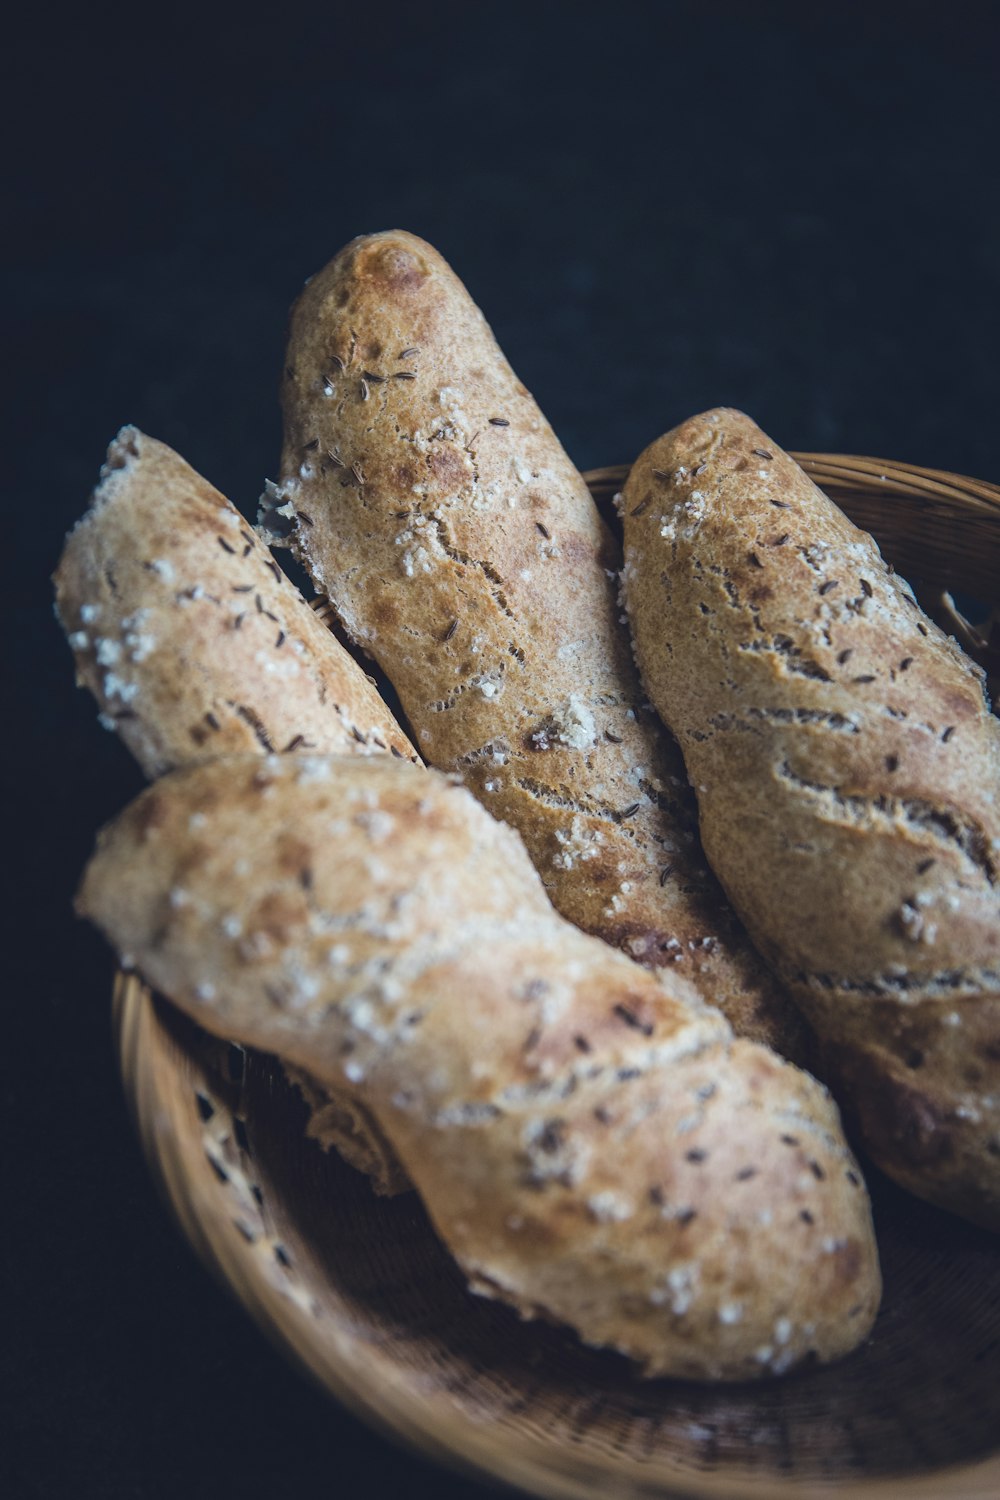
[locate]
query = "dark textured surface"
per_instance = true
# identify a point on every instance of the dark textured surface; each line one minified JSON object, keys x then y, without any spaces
{"x":660,"y":207}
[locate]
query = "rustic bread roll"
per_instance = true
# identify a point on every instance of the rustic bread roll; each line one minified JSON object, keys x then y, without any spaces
{"x":189,"y":635}
{"x":194,"y":644}
{"x":434,"y":505}
{"x":848,"y":776}
{"x":589,"y":1140}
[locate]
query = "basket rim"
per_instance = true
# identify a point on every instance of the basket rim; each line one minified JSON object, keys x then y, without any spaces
{"x":864,"y":474}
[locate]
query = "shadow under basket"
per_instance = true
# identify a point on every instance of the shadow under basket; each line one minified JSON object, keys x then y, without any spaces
{"x":359,"y":1291}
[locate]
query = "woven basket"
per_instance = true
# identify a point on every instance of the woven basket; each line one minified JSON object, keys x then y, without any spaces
{"x":359,"y":1291}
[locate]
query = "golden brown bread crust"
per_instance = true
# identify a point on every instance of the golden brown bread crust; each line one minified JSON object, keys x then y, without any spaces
{"x":588,"y":1138}
{"x":174,"y":610}
{"x":190,"y":637}
{"x":461,"y":548}
{"x":848,"y":774}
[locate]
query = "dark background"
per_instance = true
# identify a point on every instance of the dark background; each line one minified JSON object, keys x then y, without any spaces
{"x":793,"y":208}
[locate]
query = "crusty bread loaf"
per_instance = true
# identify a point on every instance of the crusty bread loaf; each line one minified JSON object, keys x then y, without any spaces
{"x":189,"y":635}
{"x":848,"y":775}
{"x":435,"y":506}
{"x":195,"y":644}
{"x":589,"y":1140}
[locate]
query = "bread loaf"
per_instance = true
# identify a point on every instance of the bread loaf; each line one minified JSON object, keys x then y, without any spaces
{"x":195,"y":644}
{"x":189,"y":635}
{"x":847,"y":768}
{"x":434,"y":505}
{"x":589,"y":1140}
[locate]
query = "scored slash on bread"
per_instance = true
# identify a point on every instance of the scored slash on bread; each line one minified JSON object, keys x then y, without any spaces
{"x":847,"y":767}
{"x":588,"y":1138}
{"x":430,"y":500}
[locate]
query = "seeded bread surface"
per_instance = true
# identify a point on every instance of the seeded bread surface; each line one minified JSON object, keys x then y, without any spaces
{"x":847,"y":768}
{"x":189,"y":635}
{"x":589,"y":1140}
{"x":430,"y":500}
{"x":195,"y":644}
